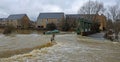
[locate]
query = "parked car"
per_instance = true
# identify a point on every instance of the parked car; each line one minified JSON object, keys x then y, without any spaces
{"x":55,"y":31}
{"x":51,"y":32}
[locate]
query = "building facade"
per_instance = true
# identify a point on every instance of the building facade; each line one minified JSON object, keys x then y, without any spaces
{"x":19,"y":20}
{"x":73,"y":18}
{"x":3,"y":22}
{"x":102,"y":20}
{"x":46,"y":18}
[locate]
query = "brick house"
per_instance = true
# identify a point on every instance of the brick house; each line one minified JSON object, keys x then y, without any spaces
{"x":19,"y":20}
{"x":3,"y":22}
{"x":72,"y":19}
{"x":45,"y":18}
{"x":102,"y":20}
{"x":32,"y":24}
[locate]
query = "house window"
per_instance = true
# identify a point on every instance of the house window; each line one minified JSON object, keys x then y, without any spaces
{"x":47,"y":21}
{"x":40,"y":26}
{"x":18,"y":26}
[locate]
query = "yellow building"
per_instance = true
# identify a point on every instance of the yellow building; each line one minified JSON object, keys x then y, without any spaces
{"x":101,"y":19}
{"x":18,"y":20}
{"x":3,"y":22}
{"x":45,"y":18}
{"x":73,"y":18}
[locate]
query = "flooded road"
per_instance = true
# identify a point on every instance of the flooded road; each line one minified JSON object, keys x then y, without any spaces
{"x":72,"y":48}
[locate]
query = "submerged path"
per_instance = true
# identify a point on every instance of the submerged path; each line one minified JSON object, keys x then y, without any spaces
{"x":72,"y":48}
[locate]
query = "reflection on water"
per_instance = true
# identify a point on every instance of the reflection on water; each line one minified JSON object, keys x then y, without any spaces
{"x":18,"y":31}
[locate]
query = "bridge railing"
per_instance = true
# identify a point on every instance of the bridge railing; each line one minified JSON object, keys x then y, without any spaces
{"x":86,"y":27}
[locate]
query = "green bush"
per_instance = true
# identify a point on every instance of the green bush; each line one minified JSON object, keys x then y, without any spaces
{"x":65,"y":27}
{"x":8,"y":29}
{"x":51,"y":26}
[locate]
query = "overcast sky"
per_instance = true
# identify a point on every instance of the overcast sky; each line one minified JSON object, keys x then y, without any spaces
{"x":33,"y":7}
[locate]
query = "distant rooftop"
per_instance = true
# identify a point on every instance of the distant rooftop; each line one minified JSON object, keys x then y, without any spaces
{"x":80,"y":15}
{"x":16,"y":16}
{"x":3,"y":19}
{"x":50,"y":15}
{"x":73,"y":15}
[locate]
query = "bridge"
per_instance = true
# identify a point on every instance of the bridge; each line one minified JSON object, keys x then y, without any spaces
{"x":87,"y":27}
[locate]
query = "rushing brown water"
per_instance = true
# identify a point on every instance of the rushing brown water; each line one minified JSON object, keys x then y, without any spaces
{"x":21,"y":43}
{"x":25,"y":31}
{"x":72,"y":48}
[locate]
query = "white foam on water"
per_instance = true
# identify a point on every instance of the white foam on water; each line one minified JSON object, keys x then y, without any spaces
{"x":66,"y":50}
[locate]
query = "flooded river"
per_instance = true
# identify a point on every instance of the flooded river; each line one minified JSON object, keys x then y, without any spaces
{"x":25,"y":31}
{"x":70,"y":48}
{"x":20,"y":43}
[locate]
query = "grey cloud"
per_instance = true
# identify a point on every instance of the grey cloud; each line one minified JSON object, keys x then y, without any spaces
{"x":34,"y":7}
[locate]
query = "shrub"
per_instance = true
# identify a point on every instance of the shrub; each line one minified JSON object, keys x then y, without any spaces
{"x":8,"y":29}
{"x":65,"y":27}
{"x":51,"y":26}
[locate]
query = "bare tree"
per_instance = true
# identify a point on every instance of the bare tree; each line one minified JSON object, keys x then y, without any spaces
{"x":114,"y":12}
{"x":109,"y":24}
{"x":117,"y":28}
{"x":91,"y":7}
